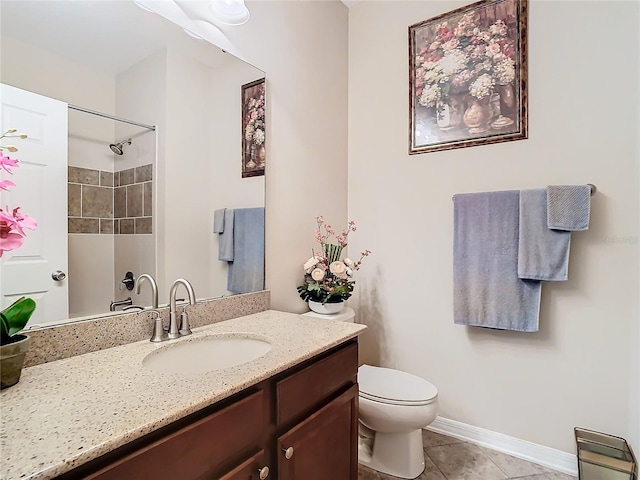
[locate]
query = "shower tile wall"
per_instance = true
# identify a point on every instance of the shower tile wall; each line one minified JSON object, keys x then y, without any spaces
{"x":110,"y":203}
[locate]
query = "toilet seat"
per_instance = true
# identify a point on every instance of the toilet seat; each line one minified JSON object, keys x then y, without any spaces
{"x":394,"y":387}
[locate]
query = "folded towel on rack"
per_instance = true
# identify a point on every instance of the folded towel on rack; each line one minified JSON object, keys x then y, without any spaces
{"x":568,"y":207}
{"x":218,"y":220}
{"x":246,"y":272}
{"x":486,"y":289}
{"x":543,"y":254}
{"x":225,"y":239}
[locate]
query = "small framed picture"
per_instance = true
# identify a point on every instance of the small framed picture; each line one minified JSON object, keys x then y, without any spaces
{"x":253,"y":129}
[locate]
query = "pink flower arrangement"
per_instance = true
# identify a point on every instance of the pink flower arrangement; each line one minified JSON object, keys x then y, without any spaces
{"x":327,"y":277}
{"x":12,"y":222}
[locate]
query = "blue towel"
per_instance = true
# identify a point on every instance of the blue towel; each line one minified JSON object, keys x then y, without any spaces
{"x":543,"y":254}
{"x":225,"y":239}
{"x":568,"y":207}
{"x":218,"y":220}
{"x":246,"y":272}
{"x":486,"y":289}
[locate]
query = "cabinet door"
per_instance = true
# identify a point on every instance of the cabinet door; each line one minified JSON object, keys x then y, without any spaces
{"x":254,"y":468}
{"x":324,"y":446}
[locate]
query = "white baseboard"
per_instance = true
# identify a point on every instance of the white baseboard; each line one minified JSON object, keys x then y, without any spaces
{"x":545,"y":456}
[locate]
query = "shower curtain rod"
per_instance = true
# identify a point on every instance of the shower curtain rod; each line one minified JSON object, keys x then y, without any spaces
{"x":117,"y":119}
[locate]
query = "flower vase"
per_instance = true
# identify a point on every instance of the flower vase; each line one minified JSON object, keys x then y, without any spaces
{"x":262,"y":155}
{"x":507,"y":99}
{"x":478,"y":114}
{"x":12,"y":360}
{"x":252,"y":155}
{"x":449,"y":113}
{"x":326,"y":308}
{"x":503,"y":105}
{"x":332,"y":252}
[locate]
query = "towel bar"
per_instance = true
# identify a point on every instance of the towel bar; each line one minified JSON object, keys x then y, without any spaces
{"x":592,"y":187}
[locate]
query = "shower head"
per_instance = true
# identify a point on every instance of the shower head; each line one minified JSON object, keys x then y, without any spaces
{"x":117,"y":147}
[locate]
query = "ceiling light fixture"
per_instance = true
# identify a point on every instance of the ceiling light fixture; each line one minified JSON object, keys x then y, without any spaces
{"x":230,"y":12}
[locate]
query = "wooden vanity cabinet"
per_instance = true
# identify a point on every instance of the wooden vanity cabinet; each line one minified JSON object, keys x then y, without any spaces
{"x":323,"y":446}
{"x":301,"y":424}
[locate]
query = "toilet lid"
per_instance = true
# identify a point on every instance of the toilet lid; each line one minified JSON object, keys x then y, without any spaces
{"x":386,"y":385}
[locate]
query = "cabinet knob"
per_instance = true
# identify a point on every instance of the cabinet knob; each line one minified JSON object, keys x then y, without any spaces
{"x":263,"y":472}
{"x":288,"y":452}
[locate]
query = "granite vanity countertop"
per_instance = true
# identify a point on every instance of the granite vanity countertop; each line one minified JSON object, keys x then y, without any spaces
{"x":65,"y":413}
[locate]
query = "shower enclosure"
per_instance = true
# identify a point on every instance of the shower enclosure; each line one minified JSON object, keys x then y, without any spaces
{"x":111,"y":207}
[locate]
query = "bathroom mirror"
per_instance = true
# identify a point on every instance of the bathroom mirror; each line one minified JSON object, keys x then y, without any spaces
{"x":116,"y":58}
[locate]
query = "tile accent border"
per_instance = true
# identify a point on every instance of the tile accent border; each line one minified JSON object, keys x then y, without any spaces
{"x":532,"y":452}
{"x":84,"y":336}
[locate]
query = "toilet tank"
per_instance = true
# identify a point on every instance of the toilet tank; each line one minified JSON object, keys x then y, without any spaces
{"x":346,"y":315}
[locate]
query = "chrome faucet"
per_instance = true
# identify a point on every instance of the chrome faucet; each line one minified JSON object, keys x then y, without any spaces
{"x":120,"y":303}
{"x":154,"y":288}
{"x":174,"y":332}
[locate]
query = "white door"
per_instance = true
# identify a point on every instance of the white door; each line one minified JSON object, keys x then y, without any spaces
{"x":41,"y":193}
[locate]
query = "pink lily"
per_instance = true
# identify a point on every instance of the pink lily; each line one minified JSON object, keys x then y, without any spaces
{"x":16,"y":221}
{"x":6,"y":184}
{"x":10,"y":242}
{"x":7,"y":163}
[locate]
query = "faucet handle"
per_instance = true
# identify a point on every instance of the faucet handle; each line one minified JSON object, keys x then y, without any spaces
{"x":185,"y":329}
{"x":159,"y":334}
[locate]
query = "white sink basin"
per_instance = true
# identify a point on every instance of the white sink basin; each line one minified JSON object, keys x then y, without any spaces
{"x":206,"y":354}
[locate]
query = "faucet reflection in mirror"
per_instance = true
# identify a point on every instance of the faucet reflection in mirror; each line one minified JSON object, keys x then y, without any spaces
{"x":154,"y":288}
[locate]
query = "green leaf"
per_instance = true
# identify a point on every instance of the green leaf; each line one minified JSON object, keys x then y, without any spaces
{"x":15,"y":316}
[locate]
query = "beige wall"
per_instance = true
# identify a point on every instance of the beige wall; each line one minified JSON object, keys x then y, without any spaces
{"x":581,"y":368}
{"x":302,"y":45}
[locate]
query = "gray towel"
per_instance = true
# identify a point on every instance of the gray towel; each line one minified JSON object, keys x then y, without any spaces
{"x":568,"y":207}
{"x":486,"y":289}
{"x":543,"y":254}
{"x":218,"y":220}
{"x":225,"y":239}
{"x":246,"y":272}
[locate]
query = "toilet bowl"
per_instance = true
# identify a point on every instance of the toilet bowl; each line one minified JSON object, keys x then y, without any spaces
{"x":394,"y":406}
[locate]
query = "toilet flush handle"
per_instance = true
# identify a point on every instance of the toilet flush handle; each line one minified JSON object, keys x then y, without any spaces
{"x":288,"y":452}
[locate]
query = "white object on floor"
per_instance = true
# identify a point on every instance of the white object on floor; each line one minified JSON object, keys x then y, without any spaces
{"x":395,"y":405}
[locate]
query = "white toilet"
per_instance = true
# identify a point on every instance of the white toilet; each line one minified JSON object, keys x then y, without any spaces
{"x":394,"y":406}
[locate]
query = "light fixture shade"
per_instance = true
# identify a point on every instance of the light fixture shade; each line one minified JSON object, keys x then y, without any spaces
{"x":230,"y":12}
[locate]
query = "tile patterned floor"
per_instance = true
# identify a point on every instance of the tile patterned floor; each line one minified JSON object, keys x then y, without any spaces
{"x":448,"y":458}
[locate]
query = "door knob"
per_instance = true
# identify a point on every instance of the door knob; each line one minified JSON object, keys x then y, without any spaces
{"x":263,"y":472}
{"x":288,"y":452}
{"x":58,"y":275}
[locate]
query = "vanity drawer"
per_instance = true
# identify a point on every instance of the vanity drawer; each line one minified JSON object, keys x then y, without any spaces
{"x":304,"y":391}
{"x":197,"y":451}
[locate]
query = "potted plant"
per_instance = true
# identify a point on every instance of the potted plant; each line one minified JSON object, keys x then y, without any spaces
{"x":328,"y":280}
{"x":13,"y":347}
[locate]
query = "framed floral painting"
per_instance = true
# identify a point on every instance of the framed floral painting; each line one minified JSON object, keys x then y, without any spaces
{"x":253,"y":129}
{"x":468,"y":77}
